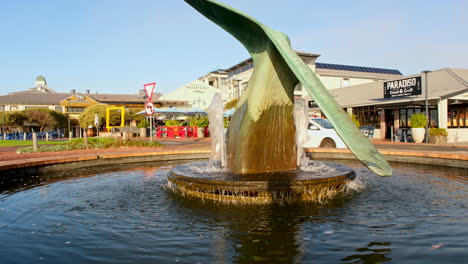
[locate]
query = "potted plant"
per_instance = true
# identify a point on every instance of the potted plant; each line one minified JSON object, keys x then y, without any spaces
{"x":438,"y":135}
{"x":143,"y":124}
{"x":418,"y":124}
{"x":201,"y":122}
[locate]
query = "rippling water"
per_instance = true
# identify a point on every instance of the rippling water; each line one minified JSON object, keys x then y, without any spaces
{"x":417,"y":216}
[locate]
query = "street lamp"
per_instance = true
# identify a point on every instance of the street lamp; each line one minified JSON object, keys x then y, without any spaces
{"x":426,"y":102}
{"x":3,"y":121}
{"x":68,"y":115}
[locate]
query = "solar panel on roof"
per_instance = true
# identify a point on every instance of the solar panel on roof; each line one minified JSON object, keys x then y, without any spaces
{"x":356,"y":68}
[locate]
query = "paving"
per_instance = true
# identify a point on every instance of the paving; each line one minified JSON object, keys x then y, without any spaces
{"x":10,"y":159}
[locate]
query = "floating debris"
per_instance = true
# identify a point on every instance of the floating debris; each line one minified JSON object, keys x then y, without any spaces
{"x":436,"y":246}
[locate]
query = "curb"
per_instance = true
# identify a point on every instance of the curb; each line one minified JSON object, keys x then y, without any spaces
{"x":448,"y":159}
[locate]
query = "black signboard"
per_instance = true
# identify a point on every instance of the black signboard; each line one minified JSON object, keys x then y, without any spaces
{"x":403,"y":87}
{"x":312,"y":104}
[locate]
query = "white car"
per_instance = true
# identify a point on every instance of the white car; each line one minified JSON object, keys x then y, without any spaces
{"x":322,"y":134}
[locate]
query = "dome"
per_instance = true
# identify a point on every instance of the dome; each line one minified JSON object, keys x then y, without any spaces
{"x":40,"y":78}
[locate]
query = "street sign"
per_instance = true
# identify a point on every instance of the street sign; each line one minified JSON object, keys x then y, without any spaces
{"x":149,"y":108}
{"x":149,"y":90}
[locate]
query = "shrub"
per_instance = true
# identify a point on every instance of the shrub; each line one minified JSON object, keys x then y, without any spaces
{"x":93,"y":143}
{"x":418,"y":120}
{"x":231,"y":104}
{"x":171,"y":123}
{"x":199,"y":121}
{"x":355,"y":120}
{"x":438,"y":132}
{"x":87,"y":117}
{"x":144,"y":124}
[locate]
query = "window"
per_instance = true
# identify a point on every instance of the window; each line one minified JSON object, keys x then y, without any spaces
{"x":76,"y":109}
{"x":406,"y":113}
{"x":345,"y":82}
{"x":367,"y":116}
{"x":457,"y":116}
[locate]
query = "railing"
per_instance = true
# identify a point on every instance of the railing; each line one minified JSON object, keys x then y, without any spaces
{"x":28,"y":136}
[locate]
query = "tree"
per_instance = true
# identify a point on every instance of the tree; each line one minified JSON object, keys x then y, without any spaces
{"x":231,"y":104}
{"x":61,"y":119}
{"x":15,"y":118}
{"x":131,"y":114}
{"x":87,"y":117}
{"x":40,"y":116}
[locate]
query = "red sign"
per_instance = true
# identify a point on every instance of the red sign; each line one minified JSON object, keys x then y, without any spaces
{"x":149,"y":108}
{"x":149,"y":90}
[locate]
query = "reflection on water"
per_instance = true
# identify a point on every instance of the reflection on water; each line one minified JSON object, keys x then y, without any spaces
{"x":126,"y":216}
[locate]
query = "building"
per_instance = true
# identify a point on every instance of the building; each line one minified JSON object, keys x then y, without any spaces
{"x":388,"y":105}
{"x":198,"y":93}
{"x":73,"y":103}
{"x":233,"y":81}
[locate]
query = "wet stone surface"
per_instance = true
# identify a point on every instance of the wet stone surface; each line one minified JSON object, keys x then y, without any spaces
{"x":321,"y":181}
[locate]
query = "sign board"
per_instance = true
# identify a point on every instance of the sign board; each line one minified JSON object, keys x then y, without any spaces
{"x":312,"y":104}
{"x":96,"y":120}
{"x":149,"y":90}
{"x":149,"y":108}
{"x":403,"y":87}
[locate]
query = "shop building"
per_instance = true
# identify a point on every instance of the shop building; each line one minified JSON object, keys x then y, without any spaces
{"x":388,"y":105}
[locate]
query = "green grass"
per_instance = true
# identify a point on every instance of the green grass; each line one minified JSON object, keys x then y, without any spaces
{"x":22,"y":143}
{"x":93,"y":143}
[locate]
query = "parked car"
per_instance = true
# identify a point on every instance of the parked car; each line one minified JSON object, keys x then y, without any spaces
{"x":322,"y":134}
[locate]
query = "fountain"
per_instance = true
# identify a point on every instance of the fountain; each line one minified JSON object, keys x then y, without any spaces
{"x":263,"y":155}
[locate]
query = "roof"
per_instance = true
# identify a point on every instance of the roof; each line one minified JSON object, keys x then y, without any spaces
{"x":356,"y":68}
{"x":37,"y":98}
{"x":442,"y":84}
{"x":34,"y":98}
{"x":299,"y":53}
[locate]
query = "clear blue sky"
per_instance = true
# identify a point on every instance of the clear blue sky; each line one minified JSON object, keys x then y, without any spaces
{"x":116,"y":46}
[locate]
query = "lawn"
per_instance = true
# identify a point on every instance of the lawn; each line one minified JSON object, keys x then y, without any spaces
{"x":22,"y":143}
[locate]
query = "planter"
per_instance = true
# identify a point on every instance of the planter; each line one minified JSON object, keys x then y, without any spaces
{"x":90,"y":132}
{"x":200,"y":132}
{"x":142,"y":131}
{"x":418,"y":134}
{"x":437,"y":139}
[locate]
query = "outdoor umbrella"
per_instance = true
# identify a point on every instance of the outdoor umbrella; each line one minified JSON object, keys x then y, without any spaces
{"x":156,"y":111}
{"x":229,"y":112}
{"x":196,"y":111}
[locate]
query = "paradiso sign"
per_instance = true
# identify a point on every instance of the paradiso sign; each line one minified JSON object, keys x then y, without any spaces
{"x":404,"y":87}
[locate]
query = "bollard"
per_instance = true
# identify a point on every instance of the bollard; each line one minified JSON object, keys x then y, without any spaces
{"x":34,"y":139}
{"x":125,"y":136}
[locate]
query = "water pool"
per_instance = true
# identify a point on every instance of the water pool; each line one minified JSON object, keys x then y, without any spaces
{"x":419,"y":215}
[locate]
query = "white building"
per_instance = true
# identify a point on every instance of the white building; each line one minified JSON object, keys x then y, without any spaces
{"x":233,"y":81}
{"x":197,"y":93}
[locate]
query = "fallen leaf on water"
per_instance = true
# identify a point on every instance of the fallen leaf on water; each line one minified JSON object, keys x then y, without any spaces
{"x":436,"y":246}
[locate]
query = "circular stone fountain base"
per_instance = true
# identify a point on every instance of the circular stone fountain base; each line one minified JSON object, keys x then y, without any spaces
{"x":318,"y":182}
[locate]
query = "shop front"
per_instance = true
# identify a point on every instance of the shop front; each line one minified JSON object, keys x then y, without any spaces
{"x":388,"y":106}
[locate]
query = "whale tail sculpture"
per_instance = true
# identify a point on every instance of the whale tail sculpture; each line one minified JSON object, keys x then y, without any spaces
{"x":261,"y":132}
